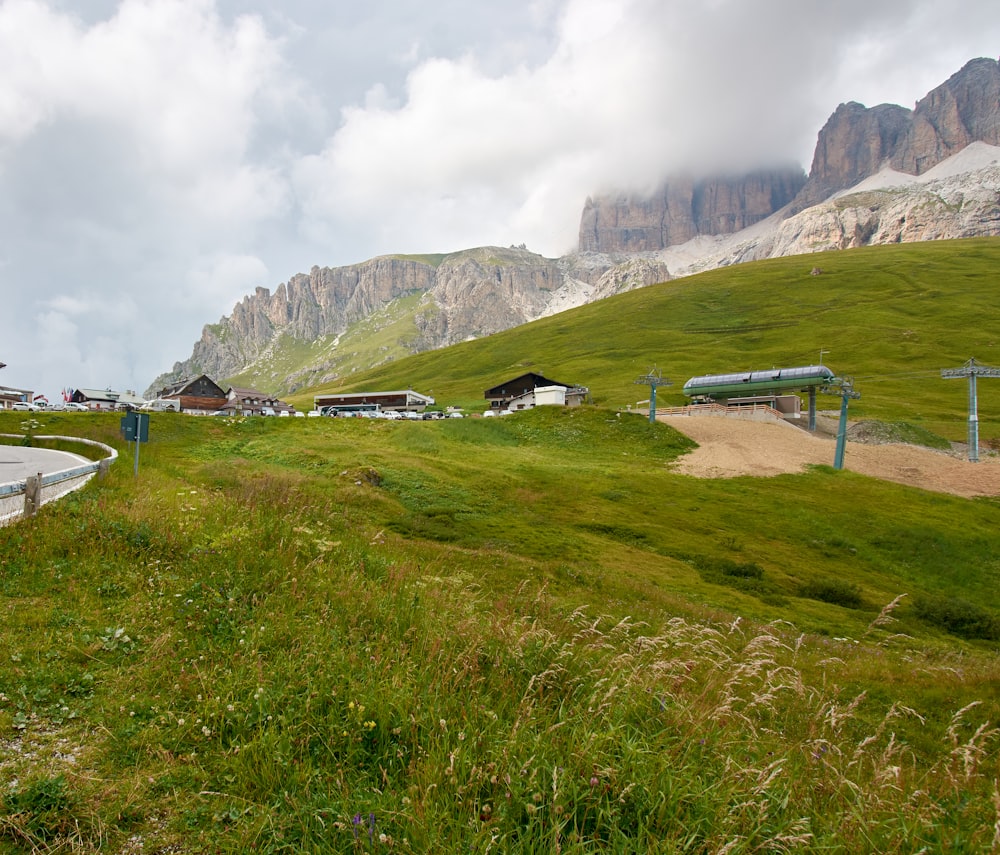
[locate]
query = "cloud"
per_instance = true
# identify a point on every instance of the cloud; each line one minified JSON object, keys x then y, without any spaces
{"x":630,"y":92}
{"x":131,"y":165}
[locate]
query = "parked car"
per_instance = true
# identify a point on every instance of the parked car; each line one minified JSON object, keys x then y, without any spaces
{"x":25,"y":407}
{"x":74,"y":407}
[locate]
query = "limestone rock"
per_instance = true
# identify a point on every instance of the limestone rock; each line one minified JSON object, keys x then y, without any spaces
{"x":684,"y":208}
{"x":858,"y":141}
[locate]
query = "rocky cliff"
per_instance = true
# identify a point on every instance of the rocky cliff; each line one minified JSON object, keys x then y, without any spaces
{"x":463,"y":295}
{"x":959,"y":198}
{"x":857,"y":141}
{"x":684,"y":208}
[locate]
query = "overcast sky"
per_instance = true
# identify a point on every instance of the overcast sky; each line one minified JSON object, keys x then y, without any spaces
{"x":159,"y":159}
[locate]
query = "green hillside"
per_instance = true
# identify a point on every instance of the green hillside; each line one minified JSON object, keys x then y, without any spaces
{"x":527,"y":634}
{"x":890,"y":316}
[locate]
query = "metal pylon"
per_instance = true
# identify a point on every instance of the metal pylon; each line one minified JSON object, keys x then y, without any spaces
{"x":653,"y":378}
{"x":972,"y":370}
{"x":844,"y":387}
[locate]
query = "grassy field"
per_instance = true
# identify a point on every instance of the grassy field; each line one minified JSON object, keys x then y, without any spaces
{"x":891,"y":317}
{"x":517,"y":635}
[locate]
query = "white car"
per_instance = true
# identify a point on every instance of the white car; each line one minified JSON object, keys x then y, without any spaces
{"x":74,"y":407}
{"x":25,"y":407}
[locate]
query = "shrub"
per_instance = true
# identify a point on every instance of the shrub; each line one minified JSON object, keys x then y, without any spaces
{"x":959,"y":617}
{"x":834,"y":591}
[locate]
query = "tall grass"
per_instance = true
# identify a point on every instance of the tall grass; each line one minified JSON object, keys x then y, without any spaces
{"x":524,"y":635}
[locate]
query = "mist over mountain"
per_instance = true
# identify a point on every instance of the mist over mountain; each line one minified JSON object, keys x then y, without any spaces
{"x":884,"y":174}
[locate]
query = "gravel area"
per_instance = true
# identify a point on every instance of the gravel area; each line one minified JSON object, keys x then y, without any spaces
{"x":729,"y":447}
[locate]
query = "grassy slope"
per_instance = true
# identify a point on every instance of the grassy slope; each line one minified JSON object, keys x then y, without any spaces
{"x":525,"y":634}
{"x":519,"y":629}
{"x":891,"y":317}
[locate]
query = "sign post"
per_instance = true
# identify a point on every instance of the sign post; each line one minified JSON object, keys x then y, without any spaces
{"x":135,"y":427}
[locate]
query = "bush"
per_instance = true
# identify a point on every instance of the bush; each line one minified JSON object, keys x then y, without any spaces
{"x":833,"y":591}
{"x":959,"y":617}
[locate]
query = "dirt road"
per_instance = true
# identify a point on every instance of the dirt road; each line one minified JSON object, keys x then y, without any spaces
{"x":729,"y":447}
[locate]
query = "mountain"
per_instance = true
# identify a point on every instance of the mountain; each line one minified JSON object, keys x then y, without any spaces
{"x":879,"y":175}
{"x":684,"y":208}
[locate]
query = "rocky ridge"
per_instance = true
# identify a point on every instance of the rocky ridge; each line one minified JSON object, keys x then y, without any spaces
{"x":879,"y":175}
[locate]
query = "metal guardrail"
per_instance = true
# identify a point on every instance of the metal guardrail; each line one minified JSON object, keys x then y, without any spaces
{"x":23,"y":497}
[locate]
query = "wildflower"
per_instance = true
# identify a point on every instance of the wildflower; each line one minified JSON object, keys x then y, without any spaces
{"x":206,"y":730}
{"x":180,"y":722}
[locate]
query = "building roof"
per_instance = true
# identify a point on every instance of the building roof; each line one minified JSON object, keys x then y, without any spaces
{"x":521,"y":384}
{"x":182,"y":386}
{"x":7,"y":390}
{"x":363,"y":394}
{"x":99,"y":394}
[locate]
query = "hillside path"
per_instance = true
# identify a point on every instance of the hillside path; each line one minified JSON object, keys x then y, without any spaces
{"x":729,"y":447}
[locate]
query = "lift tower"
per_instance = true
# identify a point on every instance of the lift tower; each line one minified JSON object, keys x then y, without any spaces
{"x":652,"y":379}
{"x":972,"y":370}
{"x":844,"y":388}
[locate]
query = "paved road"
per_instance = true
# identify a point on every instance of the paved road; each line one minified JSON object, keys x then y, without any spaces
{"x":18,"y":462}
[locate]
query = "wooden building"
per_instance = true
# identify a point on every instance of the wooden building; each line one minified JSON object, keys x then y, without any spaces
{"x":533,"y":390}
{"x":198,"y":395}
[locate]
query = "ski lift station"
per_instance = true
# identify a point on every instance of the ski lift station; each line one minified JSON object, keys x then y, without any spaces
{"x":773,"y":387}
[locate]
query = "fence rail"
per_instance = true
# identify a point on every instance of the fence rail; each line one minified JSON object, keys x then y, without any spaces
{"x":23,"y":497}
{"x":745,"y":410}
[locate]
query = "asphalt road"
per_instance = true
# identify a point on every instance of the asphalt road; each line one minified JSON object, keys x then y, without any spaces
{"x":18,"y":462}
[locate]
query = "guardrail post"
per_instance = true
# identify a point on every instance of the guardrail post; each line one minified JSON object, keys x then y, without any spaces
{"x":102,"y":468}
{"x":32,"y":494}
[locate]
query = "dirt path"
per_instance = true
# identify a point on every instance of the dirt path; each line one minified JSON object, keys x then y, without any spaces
{"x":729,"y":447}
